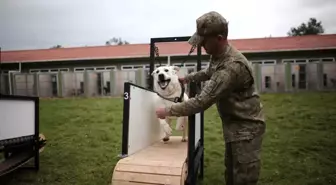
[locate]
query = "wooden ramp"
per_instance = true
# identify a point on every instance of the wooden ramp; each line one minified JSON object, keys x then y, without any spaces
{"x":158,"y":164}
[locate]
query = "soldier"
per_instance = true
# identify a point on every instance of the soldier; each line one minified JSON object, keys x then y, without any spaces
{"x":231,"y":86}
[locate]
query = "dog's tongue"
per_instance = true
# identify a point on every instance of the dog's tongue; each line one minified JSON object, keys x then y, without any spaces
{"x":163,"y":83}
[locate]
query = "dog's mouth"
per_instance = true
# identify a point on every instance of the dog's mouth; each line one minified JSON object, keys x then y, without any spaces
{"x":164,"y":83}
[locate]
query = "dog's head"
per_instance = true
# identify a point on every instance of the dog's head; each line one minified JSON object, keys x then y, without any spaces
{"x":166,"y":79}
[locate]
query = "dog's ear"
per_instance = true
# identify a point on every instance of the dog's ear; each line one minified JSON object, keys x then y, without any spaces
{"x":153,"y":72}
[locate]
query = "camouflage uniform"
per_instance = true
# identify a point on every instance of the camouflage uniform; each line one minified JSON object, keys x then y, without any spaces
{"x":231,"y":86}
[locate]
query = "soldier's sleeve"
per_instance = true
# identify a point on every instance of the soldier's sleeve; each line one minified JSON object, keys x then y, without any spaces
{"x":202,"y":75}
{"x":220,"y":84}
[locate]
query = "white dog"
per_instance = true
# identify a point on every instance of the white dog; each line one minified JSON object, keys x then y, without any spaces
{"x":169,"y":90}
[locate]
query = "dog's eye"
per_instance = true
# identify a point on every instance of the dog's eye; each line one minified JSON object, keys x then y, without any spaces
{"x":157,"y":71}
{"x":166,"y":70}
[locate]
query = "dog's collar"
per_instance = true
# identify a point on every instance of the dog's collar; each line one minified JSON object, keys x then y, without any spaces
{"x":176,"y":99}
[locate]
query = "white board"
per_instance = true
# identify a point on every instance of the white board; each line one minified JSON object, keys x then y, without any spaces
{"x":197,"y":128}
{"x":144,"y":128}
{"x":17,"y":118}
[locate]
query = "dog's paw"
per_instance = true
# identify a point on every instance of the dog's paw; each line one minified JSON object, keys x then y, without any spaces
{"x":184,"y":140}
{"x":165,"y":139}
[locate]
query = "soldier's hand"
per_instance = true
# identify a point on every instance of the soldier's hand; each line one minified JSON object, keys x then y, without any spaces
{"x":183,"y":80}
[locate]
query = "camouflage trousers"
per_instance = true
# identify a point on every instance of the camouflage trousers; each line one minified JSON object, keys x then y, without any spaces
{"x":242,"y":161}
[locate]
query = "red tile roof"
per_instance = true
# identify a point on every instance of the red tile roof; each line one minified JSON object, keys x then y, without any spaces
{"x":173,"y":48}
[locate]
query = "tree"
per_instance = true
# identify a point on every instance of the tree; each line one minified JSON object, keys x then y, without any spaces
{"x":116,"y":41}
{"x":312,"y":27}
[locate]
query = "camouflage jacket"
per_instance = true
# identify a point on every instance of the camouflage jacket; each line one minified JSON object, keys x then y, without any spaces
{"x":230,"y":85}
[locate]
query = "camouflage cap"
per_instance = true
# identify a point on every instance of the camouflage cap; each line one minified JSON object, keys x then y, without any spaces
{"x":210,"y":23}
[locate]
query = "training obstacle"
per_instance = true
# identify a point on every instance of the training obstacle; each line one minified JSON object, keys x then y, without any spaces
{"x":20,"y":140}
{"x":145,"y":158}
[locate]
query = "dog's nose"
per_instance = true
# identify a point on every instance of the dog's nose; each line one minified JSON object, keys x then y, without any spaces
{"x":161,"y":77}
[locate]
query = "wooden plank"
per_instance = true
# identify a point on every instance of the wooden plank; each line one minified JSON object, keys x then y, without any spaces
{"x":147,"y":178}
{"x":118,"y":182}
{"x":162,"y":170}
{"x":172,"y":154}
{"x":160,"y":163}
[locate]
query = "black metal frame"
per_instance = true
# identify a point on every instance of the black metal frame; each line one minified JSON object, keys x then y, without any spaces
{"x":195,"y":159}
{"x":25,"y":147}
{"x":195,"y":156}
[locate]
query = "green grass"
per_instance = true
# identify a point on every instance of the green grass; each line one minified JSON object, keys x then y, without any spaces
{"x":84,"y":139}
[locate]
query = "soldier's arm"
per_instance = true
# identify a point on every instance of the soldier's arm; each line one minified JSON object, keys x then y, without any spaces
{"x":199,"y":76}
{"x":220,"y":85}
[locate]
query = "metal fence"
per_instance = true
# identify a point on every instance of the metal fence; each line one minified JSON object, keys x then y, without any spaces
{"x":269,"y":79}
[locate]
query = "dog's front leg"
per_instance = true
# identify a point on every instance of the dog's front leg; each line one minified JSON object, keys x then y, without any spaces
{"x":181,"y":124}
{"x":166,"y":128}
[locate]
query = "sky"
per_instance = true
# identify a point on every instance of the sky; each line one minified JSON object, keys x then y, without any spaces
{"x":41,"y":24}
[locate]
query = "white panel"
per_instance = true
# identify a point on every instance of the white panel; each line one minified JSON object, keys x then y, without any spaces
{"x":17,"y":118}
{"x":197,"y":128}
{"x":144,"y":127}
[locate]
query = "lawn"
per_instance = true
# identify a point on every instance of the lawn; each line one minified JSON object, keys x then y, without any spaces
{"x":84,"y":139}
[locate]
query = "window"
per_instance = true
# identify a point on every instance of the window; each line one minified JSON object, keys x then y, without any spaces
{"x":100,"y":68}
{"x":79,"y":69}
{"x":293,"y":80}
{"x":267,"y":82}
{"x":34,"y":71}
{"x":300,"y":61}
{"x":328,"y":59}
{"x":190,"y":65}
{"x":126,"y":67}
{"x":287,"y":61}
{"x":158,"y":65}
{"x":269,"y":62}
{"x":205,"y":64}
{"x":110,"y":68}
{"x":257,"y":62}
{"x":325,"y":80}
{"x":138,"y":67}
{"x":48,"y":70}
{"x":314,"y":60}
{"x":302,"y":77}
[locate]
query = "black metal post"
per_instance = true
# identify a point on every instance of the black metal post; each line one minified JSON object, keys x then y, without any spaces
{"x":37,"y":133}
{"x":151,"y":65}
